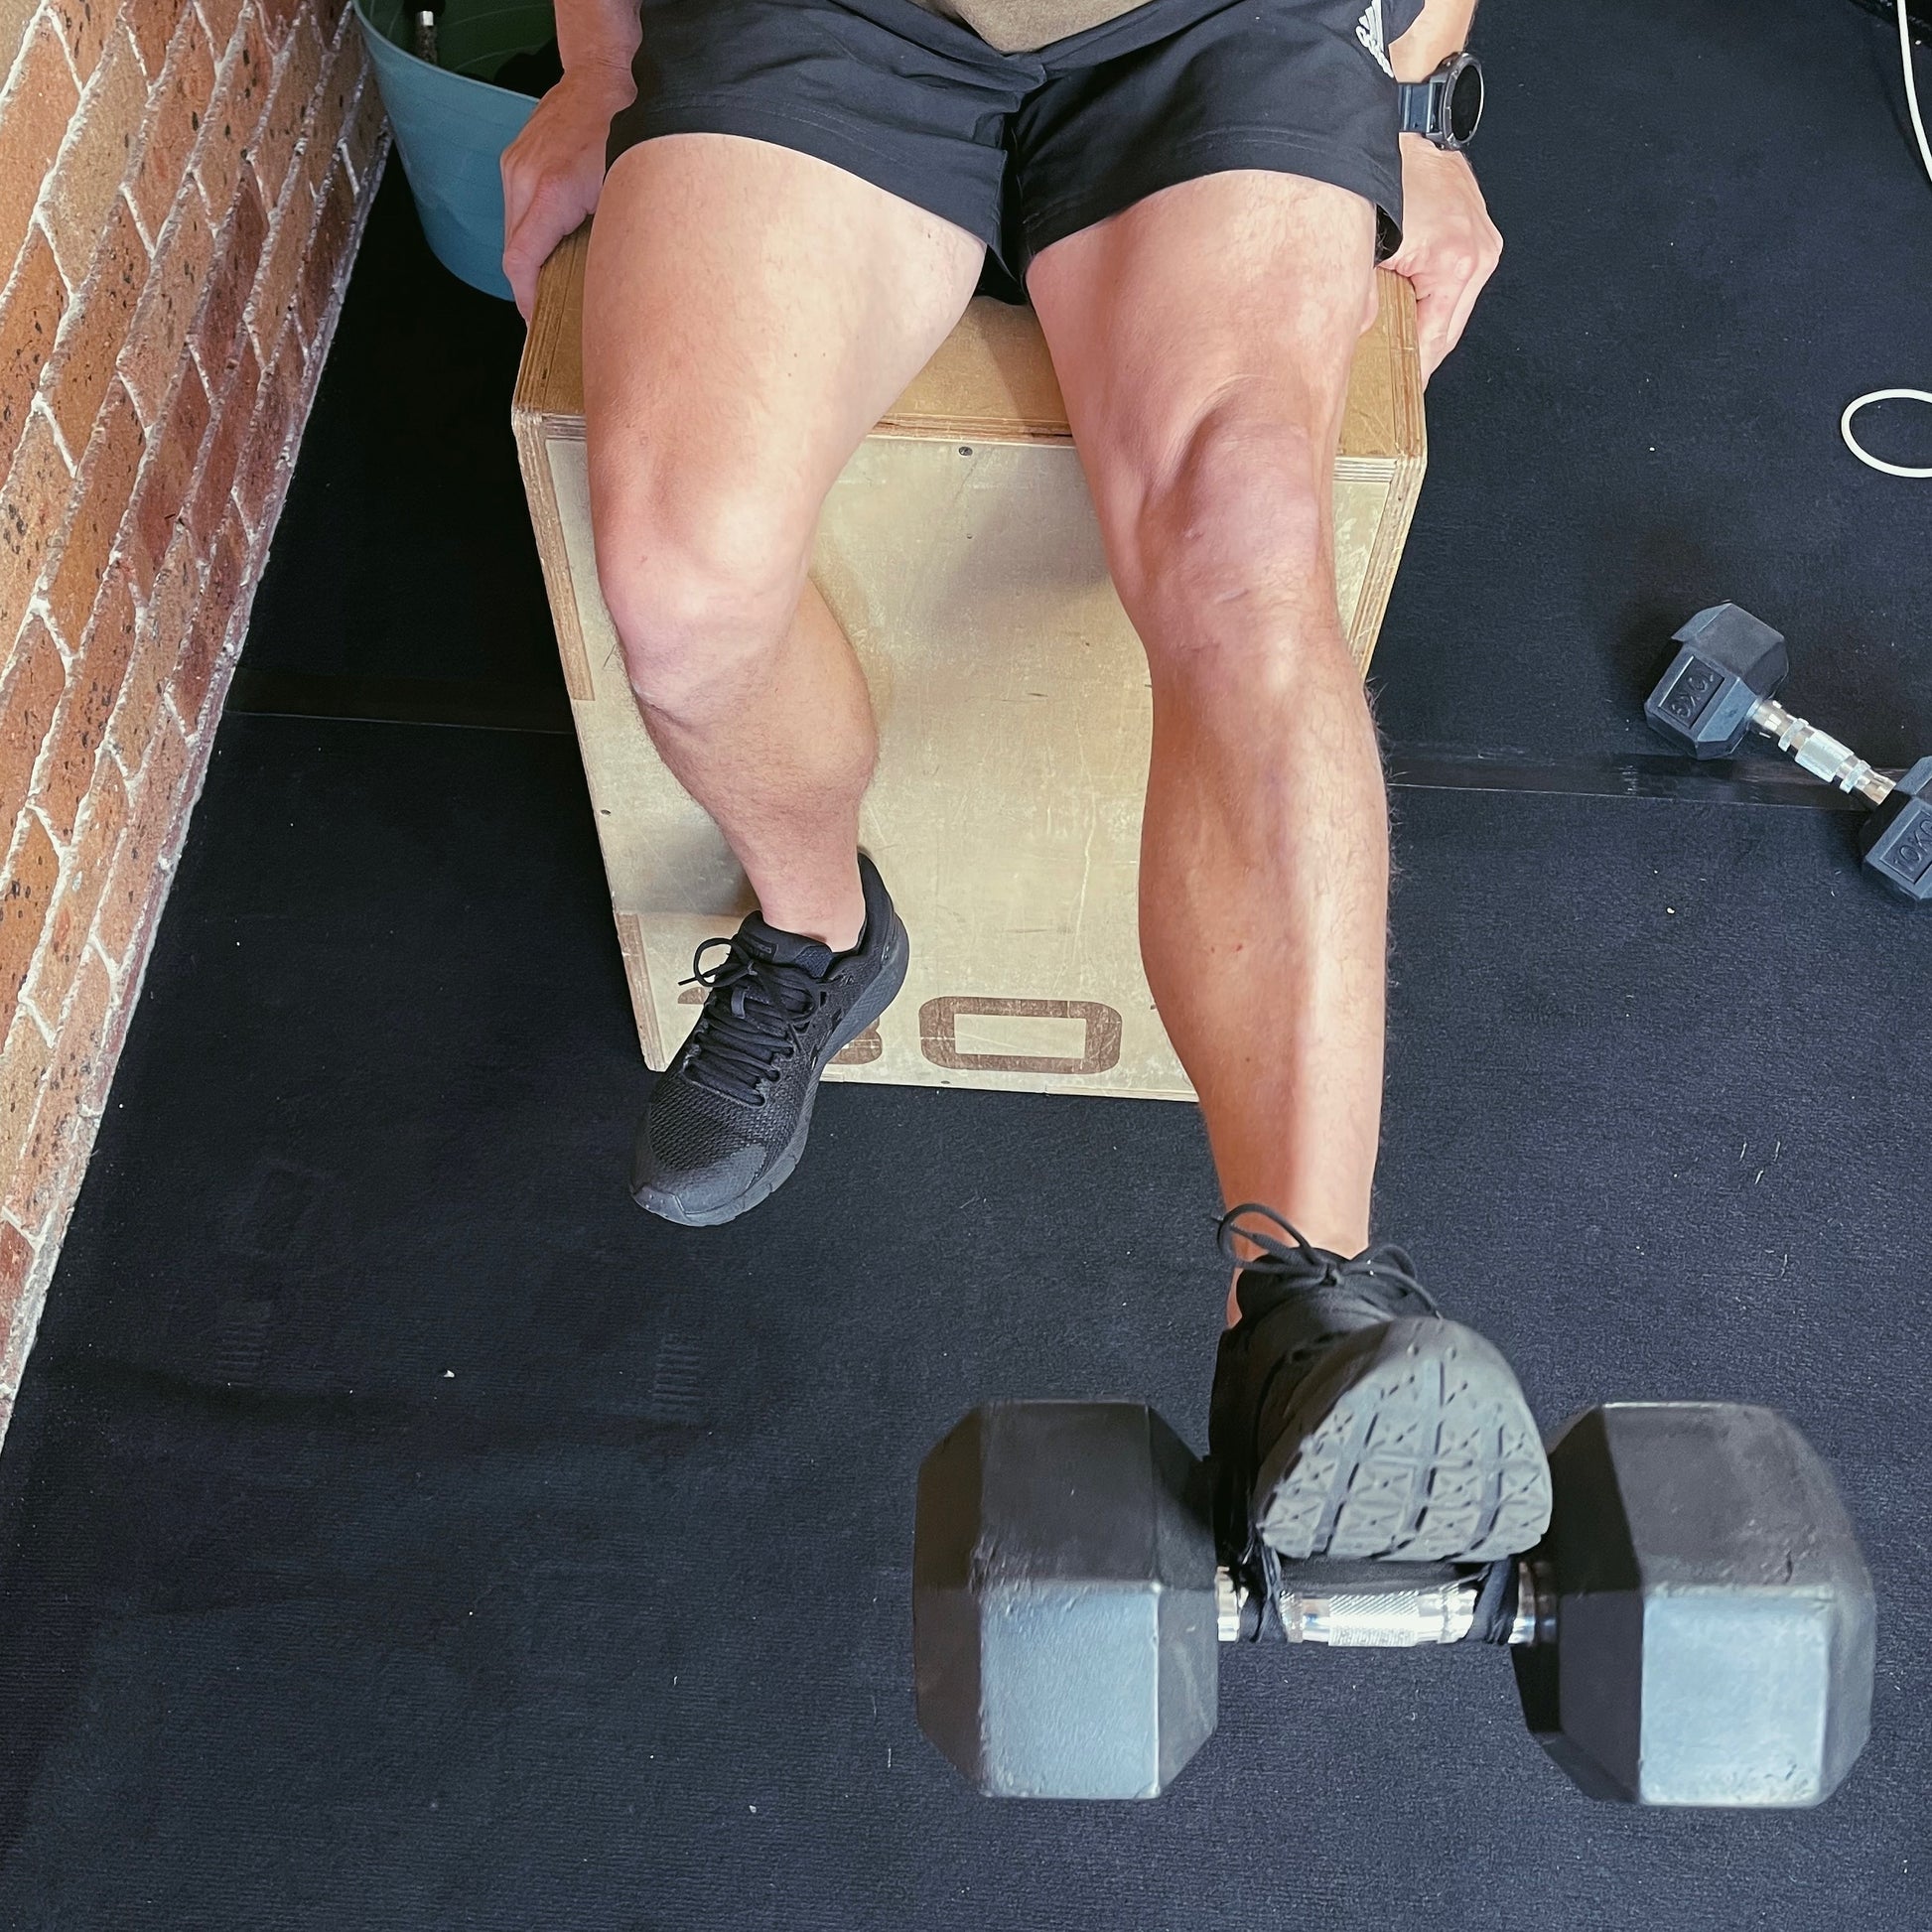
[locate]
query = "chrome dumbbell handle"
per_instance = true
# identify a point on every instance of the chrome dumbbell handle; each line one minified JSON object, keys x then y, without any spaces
{"x":1380,"y":1619}
{"x":1389,"y":1619}
{"x":1819,"y":753}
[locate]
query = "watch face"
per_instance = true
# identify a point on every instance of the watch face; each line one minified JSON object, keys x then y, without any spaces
{"x":1465,"y":103}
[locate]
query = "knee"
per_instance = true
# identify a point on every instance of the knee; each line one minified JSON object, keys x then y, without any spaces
{"x":1229,"y":546}
{"x":700,"y":584}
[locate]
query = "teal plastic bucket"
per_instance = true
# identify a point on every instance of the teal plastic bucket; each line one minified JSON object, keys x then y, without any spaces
{"x":451,"y":126}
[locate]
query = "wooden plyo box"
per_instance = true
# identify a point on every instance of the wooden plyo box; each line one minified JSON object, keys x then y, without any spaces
{"x":960,"y":553}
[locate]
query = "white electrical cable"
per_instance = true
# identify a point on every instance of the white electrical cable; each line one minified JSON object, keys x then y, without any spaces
{"x":1851,"y":443}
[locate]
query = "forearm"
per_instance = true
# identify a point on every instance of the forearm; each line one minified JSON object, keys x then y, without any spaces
{"x":603,"y":32}
{"x":1442,"y":30}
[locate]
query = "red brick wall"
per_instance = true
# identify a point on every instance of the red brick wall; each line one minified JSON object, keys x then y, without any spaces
{"x":182,"y":184}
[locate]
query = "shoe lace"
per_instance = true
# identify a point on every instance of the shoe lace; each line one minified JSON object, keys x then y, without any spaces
{"x":1303,"y":1265}
{"x":754,"y":1013}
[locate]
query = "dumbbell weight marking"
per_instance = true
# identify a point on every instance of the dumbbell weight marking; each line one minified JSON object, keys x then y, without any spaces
{"x":1898,"y":841}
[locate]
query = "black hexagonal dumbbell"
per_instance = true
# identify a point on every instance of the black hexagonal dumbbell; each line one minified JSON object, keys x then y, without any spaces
{"x":1065,"y":1607}
{"x":1696,"y":1628}
{"x":1707,"y":1614}
{"x":1720,"y":686}
{"x":1897,"y":837}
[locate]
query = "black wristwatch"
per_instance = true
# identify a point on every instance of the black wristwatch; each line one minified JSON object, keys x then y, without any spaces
{"x":1446,"y":108}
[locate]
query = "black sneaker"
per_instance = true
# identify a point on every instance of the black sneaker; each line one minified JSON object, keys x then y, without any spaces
{"x":1350,"y":1419}
{"x":726,"y":1120}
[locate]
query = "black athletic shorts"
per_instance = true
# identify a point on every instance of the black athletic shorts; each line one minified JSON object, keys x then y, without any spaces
{"x":1024,"y":149}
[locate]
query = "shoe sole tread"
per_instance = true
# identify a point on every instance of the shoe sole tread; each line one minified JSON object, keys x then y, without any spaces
{"x":1413,"y":1442}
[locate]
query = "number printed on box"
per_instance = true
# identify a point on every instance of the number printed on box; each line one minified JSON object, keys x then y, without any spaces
{"x":939,"y":1035}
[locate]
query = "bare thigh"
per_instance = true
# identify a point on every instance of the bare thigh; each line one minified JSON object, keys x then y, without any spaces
{"x":1203,"y":339}
{"x":748,"y":314}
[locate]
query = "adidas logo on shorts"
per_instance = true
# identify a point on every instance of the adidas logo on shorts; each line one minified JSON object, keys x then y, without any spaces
{"x":1368,"y":30}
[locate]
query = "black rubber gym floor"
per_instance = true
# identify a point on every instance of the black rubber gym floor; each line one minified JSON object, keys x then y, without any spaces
{"x":399,"y":1529}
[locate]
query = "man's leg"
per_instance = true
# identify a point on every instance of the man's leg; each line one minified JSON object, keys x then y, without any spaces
{"x":1203,"y":339}
{"x":748,"y":314}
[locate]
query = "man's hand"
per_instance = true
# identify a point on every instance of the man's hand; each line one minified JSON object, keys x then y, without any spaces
{"x":1449,"y":246}
{"x":553,"y":172}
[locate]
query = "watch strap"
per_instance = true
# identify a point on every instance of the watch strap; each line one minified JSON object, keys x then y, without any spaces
{"x":1422,"y":106}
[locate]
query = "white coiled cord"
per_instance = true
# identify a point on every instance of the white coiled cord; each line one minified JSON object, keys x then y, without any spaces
{"x":1852,"y":408}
